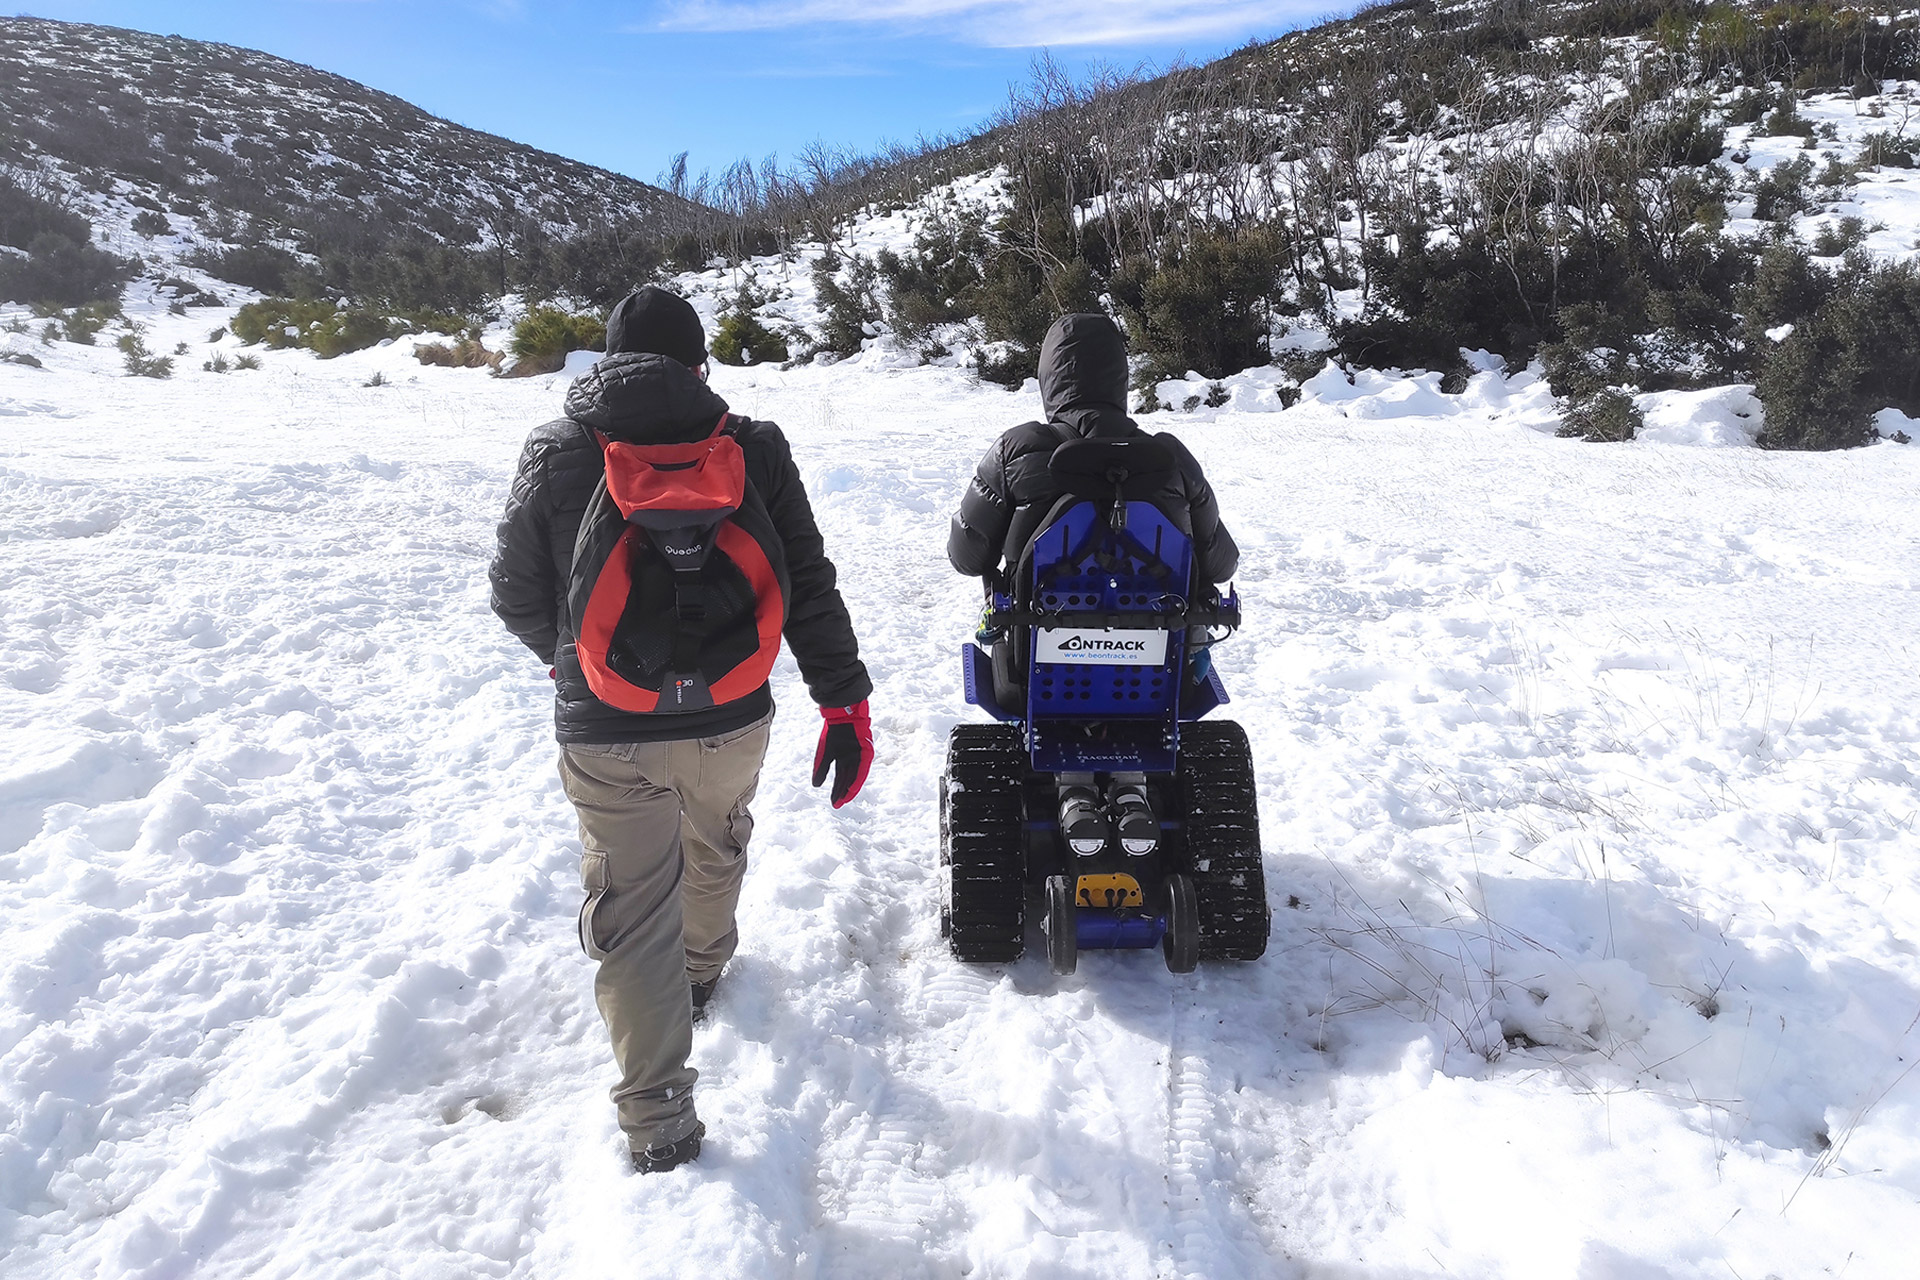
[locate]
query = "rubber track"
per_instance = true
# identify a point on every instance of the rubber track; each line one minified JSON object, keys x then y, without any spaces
{"x":982,"y":840}
{"x":1223,"y":840}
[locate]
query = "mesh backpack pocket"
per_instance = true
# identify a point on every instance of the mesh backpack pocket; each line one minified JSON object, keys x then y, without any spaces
{"x":678,"y":590}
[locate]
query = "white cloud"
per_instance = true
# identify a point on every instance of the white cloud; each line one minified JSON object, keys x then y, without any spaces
{"x":1004,"y":23}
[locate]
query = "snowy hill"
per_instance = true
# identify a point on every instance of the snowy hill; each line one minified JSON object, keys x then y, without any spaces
{"x":1645,"y":197}
{"x":1587,"y":777}
{"x":221,"y":146}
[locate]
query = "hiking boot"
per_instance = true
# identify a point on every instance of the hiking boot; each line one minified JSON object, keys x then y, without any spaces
{"x":1082,"y":822}
{"x":701,"y":993}
{"x":670,"y":1155}
{"x":1133,"y":818}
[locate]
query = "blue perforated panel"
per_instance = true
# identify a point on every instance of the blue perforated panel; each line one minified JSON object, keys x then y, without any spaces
{"x":1080,"y":564}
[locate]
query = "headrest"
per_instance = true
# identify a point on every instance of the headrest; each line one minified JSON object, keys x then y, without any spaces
{"x":1137,"y":468}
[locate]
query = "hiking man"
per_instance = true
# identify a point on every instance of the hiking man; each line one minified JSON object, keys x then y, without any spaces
{"x":1083,"y":389}
{"x":662,"y":733}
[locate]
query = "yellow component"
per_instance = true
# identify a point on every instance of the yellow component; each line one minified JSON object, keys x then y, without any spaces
{"x":1109,"y":891}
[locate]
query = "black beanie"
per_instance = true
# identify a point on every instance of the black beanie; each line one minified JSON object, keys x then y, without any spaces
{"x":657,"y":322}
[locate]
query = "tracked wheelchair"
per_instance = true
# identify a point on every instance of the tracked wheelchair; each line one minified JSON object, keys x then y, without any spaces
{"x":1100,"y":785}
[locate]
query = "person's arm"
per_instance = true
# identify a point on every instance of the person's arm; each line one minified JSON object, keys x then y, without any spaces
{"x":522,"y":576}
{"x":979,"y":529}
{"x":1215,"y":552}
{"x":818,"y":629}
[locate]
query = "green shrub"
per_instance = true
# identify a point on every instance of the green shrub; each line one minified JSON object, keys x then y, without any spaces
{"x":1301,"y":365}
{"x":1591,"y":354}
{"x":280,"y":322}
{"x":1787,"y":122}
{"x":547,"y":335}
{"x":1208,"y":306}
{"x":246,"y":360}
{"x":1014,"y":315}
{"x":935,"y":282}
{"x":328,"y":330}
{"x":63,"y":272}
{"x":1786,"y":289}
{"x":274,"y":272}
{"x":1888,"y":150}
{"x":1746,"y":107}
{"x":218,"y":364}
{"x":685,"y":252}
{"x":151,"y":224}
{"x":1018,"y":303}
{"x":1852,"y":357}
{"x":1781,"y":192}
{"x":26,"y":216}
{"x":84,"y":323}
{"x":1687,"y":140}
{"x":741,"y":339}
{"x":848,"y":307}
{"x":140,"y":362}
{"x":1831,"y":242}
{"x":1608,"y":415}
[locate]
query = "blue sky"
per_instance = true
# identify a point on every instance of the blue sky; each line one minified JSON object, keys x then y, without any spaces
{"x":626,"y":85}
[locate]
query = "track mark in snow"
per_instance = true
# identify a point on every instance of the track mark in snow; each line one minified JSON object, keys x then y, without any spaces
{"x":894,"y":1190}
{"x":1206,"y":1230}
{"x":890,"y":1190}
{"x":952,"y":991}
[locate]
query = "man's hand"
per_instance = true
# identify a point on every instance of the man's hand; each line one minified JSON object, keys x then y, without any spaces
{"x":846,"y":743}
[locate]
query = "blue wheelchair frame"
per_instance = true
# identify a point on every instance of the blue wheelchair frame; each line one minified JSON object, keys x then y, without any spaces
{"x":1123,"y":570}
{"x":1087,"y":575}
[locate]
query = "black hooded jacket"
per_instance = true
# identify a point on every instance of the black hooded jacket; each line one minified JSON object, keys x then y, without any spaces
{"x":1083,"y":387}
{"x":650,"y":399}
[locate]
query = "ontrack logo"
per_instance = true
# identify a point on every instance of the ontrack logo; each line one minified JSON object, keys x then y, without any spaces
{"x":1084,"y":644}
{"x":1101,"y":648}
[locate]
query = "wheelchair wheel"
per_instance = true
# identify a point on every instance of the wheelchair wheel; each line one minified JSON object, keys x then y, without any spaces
{"x":1062,"y":927}
{"x":1181,"y":944}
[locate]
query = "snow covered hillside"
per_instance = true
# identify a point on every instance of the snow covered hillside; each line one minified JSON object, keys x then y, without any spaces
{"x":1589,"y":781}
{"x":275,"y":173}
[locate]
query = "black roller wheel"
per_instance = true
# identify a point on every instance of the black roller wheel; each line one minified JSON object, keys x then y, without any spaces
{"x":1063,"y":930}
{"x":1222,"y":828}
{"x":981,"y":843}
{"x":1181,"y":944}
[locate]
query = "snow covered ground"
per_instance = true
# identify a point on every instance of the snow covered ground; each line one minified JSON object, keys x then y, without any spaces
{"x":1588,"y":778}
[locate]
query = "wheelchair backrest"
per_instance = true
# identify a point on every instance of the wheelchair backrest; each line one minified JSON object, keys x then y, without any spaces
{"x":1112,"y":579}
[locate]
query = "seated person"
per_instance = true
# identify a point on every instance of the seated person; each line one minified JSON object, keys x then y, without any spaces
{"x":1083,"y":388}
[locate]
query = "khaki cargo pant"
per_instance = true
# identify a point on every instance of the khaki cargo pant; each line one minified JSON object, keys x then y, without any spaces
{"x":663,"y":830}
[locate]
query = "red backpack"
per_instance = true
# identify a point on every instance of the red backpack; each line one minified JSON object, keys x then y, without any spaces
{"x":678,"y":591}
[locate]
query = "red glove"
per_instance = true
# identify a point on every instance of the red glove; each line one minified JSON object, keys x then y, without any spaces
{"x":846,"y":743}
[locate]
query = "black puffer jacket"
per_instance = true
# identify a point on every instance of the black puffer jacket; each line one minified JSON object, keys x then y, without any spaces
{"x":649,"y":399}
{"x":1083,"y":387}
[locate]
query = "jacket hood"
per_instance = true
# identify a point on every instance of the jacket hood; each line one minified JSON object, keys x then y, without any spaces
{"x":644,"y":399}
{"x":1083,"y":374}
